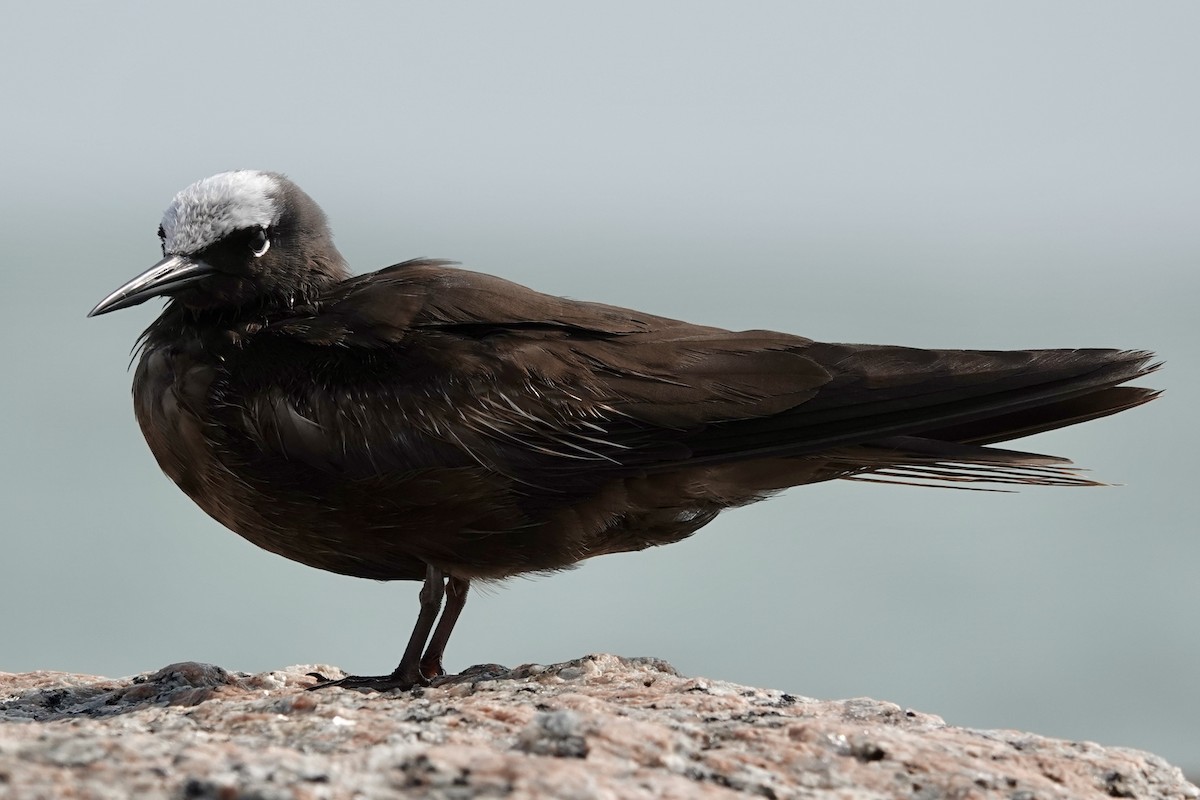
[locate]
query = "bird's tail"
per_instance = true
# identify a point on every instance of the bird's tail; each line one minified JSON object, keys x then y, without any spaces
{"x":954,"y":455}
{"x":930,"y":462}
{"x":926,"y":416}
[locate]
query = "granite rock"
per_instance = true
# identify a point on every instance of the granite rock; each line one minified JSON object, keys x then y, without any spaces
{"x":596,"y":727}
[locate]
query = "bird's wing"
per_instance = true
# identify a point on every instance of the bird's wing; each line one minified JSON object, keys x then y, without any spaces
{"x":425,"y":364}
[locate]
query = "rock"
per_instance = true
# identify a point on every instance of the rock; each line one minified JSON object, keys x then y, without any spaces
{"x":596,"y":727}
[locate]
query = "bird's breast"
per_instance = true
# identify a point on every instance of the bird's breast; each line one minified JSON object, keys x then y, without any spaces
{"x":172,"y":398}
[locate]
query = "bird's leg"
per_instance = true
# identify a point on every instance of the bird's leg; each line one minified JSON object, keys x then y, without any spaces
{"x":408,"y":673}
{"x":456,"y":598}
{"x":432,"y":592}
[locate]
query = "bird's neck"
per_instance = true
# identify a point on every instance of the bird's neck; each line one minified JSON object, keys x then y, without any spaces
{"x":218,"y":328}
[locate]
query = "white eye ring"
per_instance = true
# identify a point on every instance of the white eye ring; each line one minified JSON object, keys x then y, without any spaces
{"x":261,"y":243}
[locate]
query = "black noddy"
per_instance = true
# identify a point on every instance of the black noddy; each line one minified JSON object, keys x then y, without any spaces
{"x":428,"y":423}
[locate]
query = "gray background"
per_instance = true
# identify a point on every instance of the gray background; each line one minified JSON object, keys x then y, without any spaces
{"x":994,"y":175}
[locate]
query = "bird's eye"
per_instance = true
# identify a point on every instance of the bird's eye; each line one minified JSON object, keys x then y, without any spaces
{"x":260,"y":243}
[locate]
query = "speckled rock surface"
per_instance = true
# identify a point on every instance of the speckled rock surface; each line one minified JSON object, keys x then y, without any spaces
{"x":596,"y":727}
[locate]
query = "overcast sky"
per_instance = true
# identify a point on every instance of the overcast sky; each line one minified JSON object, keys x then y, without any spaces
{"x":994,"y":175}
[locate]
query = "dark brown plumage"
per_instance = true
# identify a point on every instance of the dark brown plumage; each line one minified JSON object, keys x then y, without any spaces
{"x":428,"y":423}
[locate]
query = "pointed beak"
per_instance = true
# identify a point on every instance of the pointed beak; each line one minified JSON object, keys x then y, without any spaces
{"x":165,"y":277}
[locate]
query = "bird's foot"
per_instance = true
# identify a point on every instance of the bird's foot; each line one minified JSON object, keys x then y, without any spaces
{"x":370,"y":683}
{"x":387,"y":683}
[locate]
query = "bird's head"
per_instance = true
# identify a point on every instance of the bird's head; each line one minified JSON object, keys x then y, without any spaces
{"x":242,"y":239}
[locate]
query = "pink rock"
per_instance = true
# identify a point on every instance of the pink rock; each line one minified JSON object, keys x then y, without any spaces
{"x":597,"y":727}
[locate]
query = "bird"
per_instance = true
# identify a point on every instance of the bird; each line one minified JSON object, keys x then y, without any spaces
{"x":428,"y":423}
